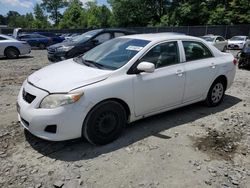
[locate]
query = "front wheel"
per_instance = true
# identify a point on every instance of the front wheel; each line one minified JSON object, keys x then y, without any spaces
{"x":11,"y":53}
{"x":104,"y":123}
{"x":216,"y":93}
{"x":42,"y":46}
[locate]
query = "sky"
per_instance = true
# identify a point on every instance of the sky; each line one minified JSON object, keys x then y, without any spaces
{"x":26,"y":6}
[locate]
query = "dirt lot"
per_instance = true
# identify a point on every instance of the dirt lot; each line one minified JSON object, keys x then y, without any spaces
{"x":194,"y":146}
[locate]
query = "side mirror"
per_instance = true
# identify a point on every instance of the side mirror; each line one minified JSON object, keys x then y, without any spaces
{"x":217,"y":41}
{"x":146,"y":67}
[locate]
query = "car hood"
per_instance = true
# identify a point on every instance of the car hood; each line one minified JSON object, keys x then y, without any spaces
{"x":65,"y":76}
{"x":235,"y":42}
{"x":66,"y":43}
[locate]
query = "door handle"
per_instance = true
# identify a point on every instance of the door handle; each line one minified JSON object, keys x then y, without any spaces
{"x":179,"y":72}
{"x":213,"y":65}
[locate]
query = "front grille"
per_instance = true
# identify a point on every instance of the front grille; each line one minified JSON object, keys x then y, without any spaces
{"x":28,"y":97}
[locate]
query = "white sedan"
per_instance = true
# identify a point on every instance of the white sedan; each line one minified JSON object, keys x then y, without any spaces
{"x":237,"y":42}
{"x":121,"y":81}
{"x":218,"y":41}
{"x":12,"y":48}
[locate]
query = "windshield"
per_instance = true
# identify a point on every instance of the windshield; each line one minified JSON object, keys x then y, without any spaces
{"x":85,"y":36}
{"x":115,"y":53}
{"x":209,"y":39}
{"x":238,"y":38}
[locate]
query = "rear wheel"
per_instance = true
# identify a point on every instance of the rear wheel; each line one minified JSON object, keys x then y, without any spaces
{"x":216,"y":93}
{"x":41,"y":46}
{"x":11,"y":53}
{"x":104,"y":123}
{"x":224,"y":49}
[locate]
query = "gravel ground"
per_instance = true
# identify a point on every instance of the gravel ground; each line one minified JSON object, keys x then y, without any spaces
{"x":194,"y":146}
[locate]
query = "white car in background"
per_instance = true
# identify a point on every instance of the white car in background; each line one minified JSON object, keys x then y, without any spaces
{"x":121,"y":81}
{"x":237,"y":42}
{"x":12,"y":48}
{"x":216,"y":40}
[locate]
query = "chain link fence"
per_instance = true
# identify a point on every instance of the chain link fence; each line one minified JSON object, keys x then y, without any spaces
{"x":226,"y":31}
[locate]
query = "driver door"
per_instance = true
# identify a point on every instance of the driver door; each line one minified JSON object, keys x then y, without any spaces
{"x":165,"y":86}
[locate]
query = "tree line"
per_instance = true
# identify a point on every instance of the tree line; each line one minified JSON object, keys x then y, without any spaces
{"x":72,"y":14}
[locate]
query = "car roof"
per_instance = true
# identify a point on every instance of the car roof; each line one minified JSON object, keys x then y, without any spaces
{"x":212,"y":36}
{"x":162,"y":36}
{"x":118,"y":29}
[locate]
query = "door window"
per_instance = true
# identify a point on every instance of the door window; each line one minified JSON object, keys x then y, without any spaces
{"x":164,"y":54}
{"x":103,"y":37}
{"x":220,"y":39}
{"x":196,"y":50}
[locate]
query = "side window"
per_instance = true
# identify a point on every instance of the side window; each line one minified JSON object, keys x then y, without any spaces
{"x":162,"y":55}
{"x":103,"y":37}
{"x":220,"y":39}
{"x":196,"y":50}
{"x":118,"y":34}
{"x":2,"y":38}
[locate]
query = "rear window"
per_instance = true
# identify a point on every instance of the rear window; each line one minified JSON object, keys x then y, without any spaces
{"x":2,"y":38}
{"x":196,"y":50}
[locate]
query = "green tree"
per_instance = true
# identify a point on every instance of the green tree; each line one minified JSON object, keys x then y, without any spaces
{"x":41,"y":20}
{"x":53,"y":8}
{"x":98,"y":16}
{"x":74,"y":16}
{"x":132,"y":13}
{"x":3,"y":20}
{"x":239,"y":11}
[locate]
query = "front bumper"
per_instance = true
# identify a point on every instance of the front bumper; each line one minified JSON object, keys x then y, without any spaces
{"x":68,"y":118}
{"x":55,"y":56}
{"x":235,"y":46}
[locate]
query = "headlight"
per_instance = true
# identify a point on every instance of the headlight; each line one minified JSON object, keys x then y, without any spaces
{"x":56,"y":100}
{"x":64,"y":48}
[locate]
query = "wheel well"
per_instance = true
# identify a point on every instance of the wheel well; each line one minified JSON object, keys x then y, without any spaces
{"x":123,"y":103}
{"x":222,"y":78}
{"x":13,"y":47}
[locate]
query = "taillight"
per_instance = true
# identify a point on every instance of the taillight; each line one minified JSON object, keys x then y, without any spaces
{"x":235,"y":61}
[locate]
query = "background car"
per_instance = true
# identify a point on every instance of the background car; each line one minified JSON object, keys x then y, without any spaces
{"x":216,"y":40}
{"x":71,"y":35}
{"x":12,"y":48}
{"x":36,"y":40}
{"x":244,"y":56}
{"x":55,"y":39}
{"x":237,"y":42}
{"x":83,"y":43}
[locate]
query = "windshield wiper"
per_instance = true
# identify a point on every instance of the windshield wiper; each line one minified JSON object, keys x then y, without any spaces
{"x":93,"y":63}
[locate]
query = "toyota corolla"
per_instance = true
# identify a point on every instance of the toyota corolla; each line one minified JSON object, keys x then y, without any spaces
{"x":121,"y":81}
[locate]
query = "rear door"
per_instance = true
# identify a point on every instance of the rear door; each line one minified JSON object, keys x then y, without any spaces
{"x":200,"y":68}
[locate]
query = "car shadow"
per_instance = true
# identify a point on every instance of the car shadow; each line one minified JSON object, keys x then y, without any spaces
{"x":80,"y":149}
{"x":20,"y":57}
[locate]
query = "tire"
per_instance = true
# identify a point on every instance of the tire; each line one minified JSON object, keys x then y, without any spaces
{"x":224,"y":49}
{"x":104,"y":123}
{"x":41,"y":46}
{"x":216,"y":93}
{"x":12,"y":53}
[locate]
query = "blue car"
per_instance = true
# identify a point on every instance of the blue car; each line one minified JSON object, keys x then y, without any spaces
{"x":55,"y":39}
{"x":36,"y":40}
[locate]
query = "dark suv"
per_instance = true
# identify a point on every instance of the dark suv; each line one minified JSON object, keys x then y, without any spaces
{"x":80,"y":44}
